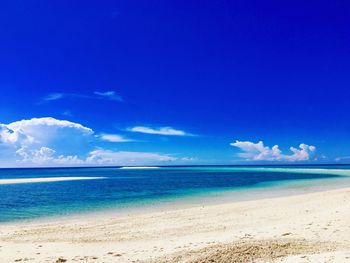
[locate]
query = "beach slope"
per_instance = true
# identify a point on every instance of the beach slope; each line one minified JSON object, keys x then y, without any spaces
{"x":312,"y":227}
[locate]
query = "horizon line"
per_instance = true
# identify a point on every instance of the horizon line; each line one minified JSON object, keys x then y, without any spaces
{"x":165,"y":166}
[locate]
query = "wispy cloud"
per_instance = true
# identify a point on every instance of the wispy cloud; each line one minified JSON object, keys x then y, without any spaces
{"x":114,"y":138}
{"x":111,"y":95}
{"x":54,"y":96}
{"x":104,"y":95}
{"x":59,"y":96}
{"x":167,"y":131}
{"x":259,"y":152}
{"x":67,"y":113}
{"x":342,"y":158}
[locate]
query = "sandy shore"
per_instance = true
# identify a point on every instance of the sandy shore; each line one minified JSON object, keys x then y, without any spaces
{"x":305,"y":228}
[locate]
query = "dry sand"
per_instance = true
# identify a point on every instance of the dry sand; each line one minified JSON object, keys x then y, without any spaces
{"x":306,"y":228}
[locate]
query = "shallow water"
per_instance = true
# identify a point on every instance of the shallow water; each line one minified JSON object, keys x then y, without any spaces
{"x":123,"y":189}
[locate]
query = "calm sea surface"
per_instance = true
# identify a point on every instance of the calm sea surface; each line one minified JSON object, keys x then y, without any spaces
{"x":120,"y":189}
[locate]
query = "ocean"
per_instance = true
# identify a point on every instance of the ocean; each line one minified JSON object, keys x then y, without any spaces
{"x":27,"y":194}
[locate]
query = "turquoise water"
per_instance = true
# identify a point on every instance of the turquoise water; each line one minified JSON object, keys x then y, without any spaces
{"x":117,"y":189}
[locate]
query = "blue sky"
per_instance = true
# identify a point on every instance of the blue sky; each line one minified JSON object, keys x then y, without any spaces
{"x":174,"y":82}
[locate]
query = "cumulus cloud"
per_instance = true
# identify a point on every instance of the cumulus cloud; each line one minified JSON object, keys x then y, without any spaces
{"x":168,"y":131}
{"x":8,"y":136}
{"x":35,"y":140}
{"x":46,"y":156}
{"x":260,"y":152}
{"x":108,"y":157}
{"x":114,"y":138}
{"x":36,"y":130}
{"x":100,"y":157}
{"x":52,"y":142}
{"x":29,"y":125}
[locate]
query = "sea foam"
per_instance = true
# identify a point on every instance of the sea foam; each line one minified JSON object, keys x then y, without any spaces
{"x":45,"y":180}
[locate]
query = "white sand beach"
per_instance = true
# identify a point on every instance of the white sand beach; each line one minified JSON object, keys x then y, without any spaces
{"x":311,"y":227}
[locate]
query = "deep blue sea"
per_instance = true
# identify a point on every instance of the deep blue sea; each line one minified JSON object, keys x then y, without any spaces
{"x":119,"y":189}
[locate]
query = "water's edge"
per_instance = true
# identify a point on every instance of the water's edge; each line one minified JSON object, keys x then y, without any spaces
{"x":186,"y":198}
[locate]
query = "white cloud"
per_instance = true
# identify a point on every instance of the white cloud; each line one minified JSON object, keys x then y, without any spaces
{"x":46,"y":156}
{"x":29,"y":125}
{"x":36,"y":130}
{"x":114,"y":138}
{"x":54,"y":96}
{"x":8,"y":136}
{"x":168,"y":131}
{"x":58,"y":96}
{"x":106,"y":95}
{"x":107,"y":157}
{"x":52,"y":142}
{"x":260,"y":152}
{"x":111,"y":95}
{"x":36,"y":140}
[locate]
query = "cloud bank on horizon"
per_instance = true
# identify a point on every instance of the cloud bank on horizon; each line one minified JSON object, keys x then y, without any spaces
{"x":52,"y":142}
{"x":259,"y":152}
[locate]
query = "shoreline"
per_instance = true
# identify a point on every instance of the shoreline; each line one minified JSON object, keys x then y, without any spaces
{"x":162,"y":236}
{"x":175,"y":203}
{"x":229,"y":196}
{"x":185,"y":198}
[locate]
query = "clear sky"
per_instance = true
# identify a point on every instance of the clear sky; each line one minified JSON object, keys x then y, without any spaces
{"x":174,"y":82}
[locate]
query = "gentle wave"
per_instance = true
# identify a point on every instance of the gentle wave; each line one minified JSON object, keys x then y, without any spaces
{"x":139,"y":167}
{"x":327,"y":171}
{"x":45,"y":180}
{"x":341,"y":172}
